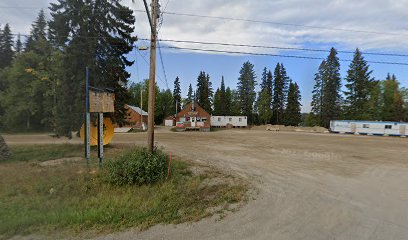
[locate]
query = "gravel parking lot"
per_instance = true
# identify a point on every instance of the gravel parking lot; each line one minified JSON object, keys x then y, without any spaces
{"x":310,"y":186}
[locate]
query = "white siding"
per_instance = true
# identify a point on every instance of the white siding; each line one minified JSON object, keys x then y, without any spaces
{"x":367,"y":127}
{"x":235,"y":121}
{"x":168,"y":123}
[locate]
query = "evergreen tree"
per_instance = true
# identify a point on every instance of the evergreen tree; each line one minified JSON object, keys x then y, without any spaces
{"x":96,"y":34}
{"x":228,"y":102}
{"x":190,"y":94}
{"x":280,"y":85}
{"x":223,"y":110}
{"x":331,"y":82}
{"x":293,"y":116}
{"x":359,"y":84}
{"x":393,"y":107}
{"x":246,"y":90}
{"x":177,"y":94}
{"x":236,"y":109}
{"x":217,"y":103}
{"x":375,"y":101}
{"x":38,"y":35}
{"x":204,"y":92}
{"x":265,"y":97}
{"x":317,"y":95}
{"x":6,"y":47}
{"x":19,"y":44}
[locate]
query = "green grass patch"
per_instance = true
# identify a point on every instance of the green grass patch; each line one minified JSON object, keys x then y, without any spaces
{"x":72,"y":198}
{"x":45,"y":152}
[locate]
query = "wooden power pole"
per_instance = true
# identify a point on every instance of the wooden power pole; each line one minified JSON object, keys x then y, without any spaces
{"x":152,"y":80}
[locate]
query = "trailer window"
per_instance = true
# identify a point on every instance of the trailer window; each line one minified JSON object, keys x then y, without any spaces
{"x":219,"y":119}
{"x":240,"y":119}
{"x":230,"y":119}
{"x":366,"y":125}
{"x":388,"y":126}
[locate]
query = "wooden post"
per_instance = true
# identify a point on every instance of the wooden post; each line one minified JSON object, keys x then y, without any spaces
{"x":100,"y":138}
{"x":87,"y":125}
{"x":152,"y":80}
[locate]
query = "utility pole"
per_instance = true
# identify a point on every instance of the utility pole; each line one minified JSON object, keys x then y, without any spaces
{"x":141,"y":107}
{"x":152,"y":80}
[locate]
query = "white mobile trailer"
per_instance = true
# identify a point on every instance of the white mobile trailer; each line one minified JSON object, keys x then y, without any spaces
{"x":235,"y":121}
{"x":369,"y":127}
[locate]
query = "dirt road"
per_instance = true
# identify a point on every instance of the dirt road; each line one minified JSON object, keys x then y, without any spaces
{"x":311,"y":186}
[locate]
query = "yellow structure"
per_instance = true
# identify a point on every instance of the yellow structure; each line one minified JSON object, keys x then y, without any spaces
{"x":108,"y":131}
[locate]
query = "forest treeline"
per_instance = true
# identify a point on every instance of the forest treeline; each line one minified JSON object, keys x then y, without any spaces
{"x":42,"y":78}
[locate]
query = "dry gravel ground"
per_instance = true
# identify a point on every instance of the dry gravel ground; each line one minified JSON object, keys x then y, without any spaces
{"x":311,"y":186}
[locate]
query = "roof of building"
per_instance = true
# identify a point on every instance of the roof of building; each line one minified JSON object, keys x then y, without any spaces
{"x":138,"y":110}
{"x":372,"y":122}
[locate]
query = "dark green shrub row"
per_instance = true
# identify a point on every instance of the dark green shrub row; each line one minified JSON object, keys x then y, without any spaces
{"x":137,"y":166}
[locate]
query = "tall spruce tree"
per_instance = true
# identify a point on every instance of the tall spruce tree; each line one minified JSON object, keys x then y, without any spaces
{"x":331,"y":82}
{"x":265,"y":97}
{"x":6,"y":47}
{"x":19,"y":44}
{"x":204,"y":92}
{"x":223,"y":110}
{"x":177,"y":94}
{"x":228,"y":102}
{"x":96,"y":34}
{"x":293,"y":116}
{"x":38,"y":35}
{"x":217,"y":103}
{"x":190,"y":94}
{"x":246,"y":90}
{"x":359,"y":85}
{"x":317,"y":95}
{"x":280,"y":85}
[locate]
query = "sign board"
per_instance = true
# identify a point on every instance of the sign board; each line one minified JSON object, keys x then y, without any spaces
{"x":101,"y":102}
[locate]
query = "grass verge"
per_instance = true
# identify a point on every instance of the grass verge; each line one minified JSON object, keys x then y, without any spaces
{"x":72,"y":198}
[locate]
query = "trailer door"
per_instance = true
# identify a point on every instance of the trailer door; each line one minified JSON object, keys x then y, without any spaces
{"x":403,"y":129}
{"x":353,"y":128}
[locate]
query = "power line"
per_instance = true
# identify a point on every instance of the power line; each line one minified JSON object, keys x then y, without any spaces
{"x":275,"y":55}
{"x":285,"y":24}
{"x":148,"y":64}
{"x":162,"y":64}
{"x":276,"y":47}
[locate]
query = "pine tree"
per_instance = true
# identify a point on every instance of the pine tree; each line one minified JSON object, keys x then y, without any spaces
{"x":317,"y":95}
{"x":375,"y":101}
{"x":246,"y":90}
{"x":19,"y":44}
{"x":217,"y":103}
{"x":223,"y":110}
{"x":331,"y":82}
{"x":265,"y":97}
{"x":293,"y":116}
{"x":228,"y":102}
{"x":204,"y":92}
{"x":6,"y":47}
{"x":177,"y":94}
{"x":96,"y":34}
{"x":359,"y":84}
{"x":235,"y":104}
{"x":38,"y":35}
{"x":280,"y":85}
{"x":190,"y":94}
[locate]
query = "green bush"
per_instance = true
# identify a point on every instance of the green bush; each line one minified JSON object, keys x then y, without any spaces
{"x":137,"y":166}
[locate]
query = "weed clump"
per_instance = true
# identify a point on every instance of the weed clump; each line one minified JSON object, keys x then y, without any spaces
{"x":137,"y":166}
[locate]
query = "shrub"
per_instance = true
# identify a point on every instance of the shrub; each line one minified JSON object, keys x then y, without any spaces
{"x":137,"y":166}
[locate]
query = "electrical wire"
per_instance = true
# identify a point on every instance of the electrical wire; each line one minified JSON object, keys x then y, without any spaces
{"x":275,"y":55}
{"x":162,"y":64}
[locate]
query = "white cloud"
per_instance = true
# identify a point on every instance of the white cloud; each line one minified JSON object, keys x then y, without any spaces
{"x":368,"y":15}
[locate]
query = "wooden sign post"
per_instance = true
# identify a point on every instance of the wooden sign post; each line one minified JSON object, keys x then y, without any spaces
{"x":97,"y":101}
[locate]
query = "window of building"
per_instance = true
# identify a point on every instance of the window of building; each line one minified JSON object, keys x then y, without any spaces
{"x":219,"y":119}
{"x":366,"y":125}
{"x":204,"y":119}
{"x":230,"y":119}
{"x":388,"y":126}
{"x":240,"y":119}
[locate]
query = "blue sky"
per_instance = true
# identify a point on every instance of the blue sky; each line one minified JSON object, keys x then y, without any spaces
{"x":383,"y":18}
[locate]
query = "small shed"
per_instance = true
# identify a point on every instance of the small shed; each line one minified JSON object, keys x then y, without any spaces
{"x":136,"y":117}
{"x":193,"y":117}
{"x":170,"y":121}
